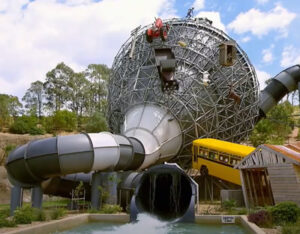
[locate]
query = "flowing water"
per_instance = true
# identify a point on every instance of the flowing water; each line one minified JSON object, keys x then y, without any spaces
{"x":149,"y":225}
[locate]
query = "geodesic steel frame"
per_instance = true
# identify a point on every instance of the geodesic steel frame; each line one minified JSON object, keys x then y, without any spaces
{"x":202,"y":110}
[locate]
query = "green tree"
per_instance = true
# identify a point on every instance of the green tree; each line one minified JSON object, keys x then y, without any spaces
{"x":56,"y":86}
{"x":10,"y":106}
{"x":78,"y":93}
{"x":98,"y":76}
{"x":275,"y":128}
{"x":34,"y":98}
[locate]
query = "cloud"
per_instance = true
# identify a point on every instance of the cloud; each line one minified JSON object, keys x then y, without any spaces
{"x":262,"y":77}
{"x":246,"y":39}
{"x":262,"y":1}
{"x":260,"y":23}
{"x":214,"y":16}
{"x":37,"y":35}
{"x":268,"y":54}
{"x":198,"y":4}
{"x":290,"y":56}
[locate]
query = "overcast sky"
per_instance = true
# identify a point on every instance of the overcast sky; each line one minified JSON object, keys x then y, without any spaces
{"x":36,"y":35}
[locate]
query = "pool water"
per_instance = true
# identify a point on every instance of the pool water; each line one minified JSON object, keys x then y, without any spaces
{"x":150,"y":225}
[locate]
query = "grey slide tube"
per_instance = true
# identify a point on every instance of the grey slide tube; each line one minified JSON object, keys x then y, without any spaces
{"x":283,"y":83}
{"x":35,"y":162}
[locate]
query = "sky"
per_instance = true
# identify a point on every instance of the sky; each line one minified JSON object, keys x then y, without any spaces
{"x":36,"y":35}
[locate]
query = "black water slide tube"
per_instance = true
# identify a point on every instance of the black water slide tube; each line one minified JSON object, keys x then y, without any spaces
{"x":282,"y":84}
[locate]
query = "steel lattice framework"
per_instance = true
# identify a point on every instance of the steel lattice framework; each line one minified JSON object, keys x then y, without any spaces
{"x":202,"y":110}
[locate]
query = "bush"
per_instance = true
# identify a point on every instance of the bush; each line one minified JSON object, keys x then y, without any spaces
{"x":47,"y":122}
{"x":290,"y":229}
{"x":110,"y":209}
{"x":26,"y":124}
{"x":285,"y":212}
{"x":38,"y":215}
{"x":24,"y":215}
{"x":64,"y":121}
{"x":228,"y":204}
{"x":261,"y":218}
{"x":93,"y":211}
{"x":58,"y":213}
{"x":96,"y":123}
{"x":4,"y":212}
{"x":4,"y":220}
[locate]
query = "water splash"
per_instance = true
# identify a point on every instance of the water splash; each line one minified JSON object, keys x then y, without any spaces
{"x":145,"y":224}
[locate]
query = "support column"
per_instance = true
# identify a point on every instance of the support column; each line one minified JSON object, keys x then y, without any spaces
{"x":37,"y":197}
{"x":112,"y":185}
{"x":96,"y":193}
{"x":16,"y":198}
{"x":299,"y":92}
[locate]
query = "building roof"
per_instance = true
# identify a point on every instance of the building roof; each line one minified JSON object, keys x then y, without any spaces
{"x":278,"y":154}
{"x":290,"y":150}
{"x":224,"y":146}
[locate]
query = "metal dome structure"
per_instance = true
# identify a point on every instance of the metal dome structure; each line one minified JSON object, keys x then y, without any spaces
{"x":203,"y":104}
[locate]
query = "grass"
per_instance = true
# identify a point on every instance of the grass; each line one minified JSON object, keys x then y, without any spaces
{"x":57,"y":203}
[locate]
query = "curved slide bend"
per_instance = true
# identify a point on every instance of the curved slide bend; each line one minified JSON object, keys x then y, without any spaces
{"x":150,"y":135}
{"x":283,"y":83}
{"x":39,"y":160}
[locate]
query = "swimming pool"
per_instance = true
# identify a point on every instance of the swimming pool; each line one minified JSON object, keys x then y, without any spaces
{"x":150,"y":225}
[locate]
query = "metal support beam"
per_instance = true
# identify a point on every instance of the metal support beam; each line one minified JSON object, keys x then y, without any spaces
{"x":16,"y":198}
{"x":96,"y":191}
{"x":112,"y":185}
{"x":37,"y":197}
{"x":299,"y":92}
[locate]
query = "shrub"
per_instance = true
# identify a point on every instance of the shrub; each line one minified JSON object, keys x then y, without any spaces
{"x":64,"y":121}
{"x":24,"y":215}
{"x":26,"y":124}
{"x":261,"y":218}
{"x":110,"y":209}
{"x":290,"y":229}
{"x":58,"y":213}
{"x":4,"y":212}
{"x":228,"y":204}
{"x":38,"y":215}
{"x":285,"y":212}
{"x":93,"y":211}
{"x":6,"y":222}
{"x":242,"y":211}
{"x":47,"y":122}
{"x":96,"y":123}
{"x":104,"y":194}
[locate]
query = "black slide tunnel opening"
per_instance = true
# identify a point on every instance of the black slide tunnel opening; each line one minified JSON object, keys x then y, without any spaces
{"x":166,"y":192}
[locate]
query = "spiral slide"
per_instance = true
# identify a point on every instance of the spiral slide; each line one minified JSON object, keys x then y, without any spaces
{"x":285,"y":82}
{"x":150,"y":135}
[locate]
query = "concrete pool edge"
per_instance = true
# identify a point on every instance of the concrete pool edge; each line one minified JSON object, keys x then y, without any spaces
{"x":80,"y":219}
{"x":239,"y":219}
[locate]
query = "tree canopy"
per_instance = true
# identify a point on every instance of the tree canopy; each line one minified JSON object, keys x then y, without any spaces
{"x":67,"y":98}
